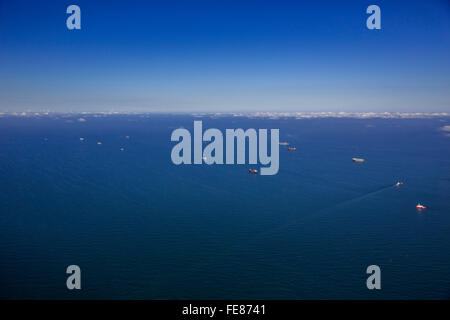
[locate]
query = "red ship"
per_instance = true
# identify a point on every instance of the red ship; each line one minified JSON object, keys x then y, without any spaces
{"x":420,"y":207}
{"x":254,"y":171}
{"x":292,"y":148}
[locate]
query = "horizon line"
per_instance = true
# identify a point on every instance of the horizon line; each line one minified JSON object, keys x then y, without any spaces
{"x":250,"y":114}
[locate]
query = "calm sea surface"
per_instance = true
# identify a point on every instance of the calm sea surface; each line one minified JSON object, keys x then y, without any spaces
{"x":140,"y":227}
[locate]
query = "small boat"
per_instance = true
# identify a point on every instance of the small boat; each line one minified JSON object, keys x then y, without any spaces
{"x":292,"y":148}
{"x":127,"y":137}
{"x":358,"y":159}
{"x":399,"y":183}
{"x":81,"y":139}
{"x":420,"y":207}
{"x":284,"y":143}
{"x":204,"y":158}
{"x":122,"y":149}
{"x":99,"y":143}
{"x":254,"y":171}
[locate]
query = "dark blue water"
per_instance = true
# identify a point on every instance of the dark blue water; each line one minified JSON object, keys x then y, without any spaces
{"x":141,"y":227}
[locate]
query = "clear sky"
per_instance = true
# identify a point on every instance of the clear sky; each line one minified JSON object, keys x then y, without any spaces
{"x":225,"y":55}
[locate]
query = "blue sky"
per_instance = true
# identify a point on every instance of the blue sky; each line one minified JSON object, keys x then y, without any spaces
{"x":225,"y":55}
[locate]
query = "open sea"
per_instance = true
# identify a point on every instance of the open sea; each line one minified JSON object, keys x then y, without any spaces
{"x":141,"y":227}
